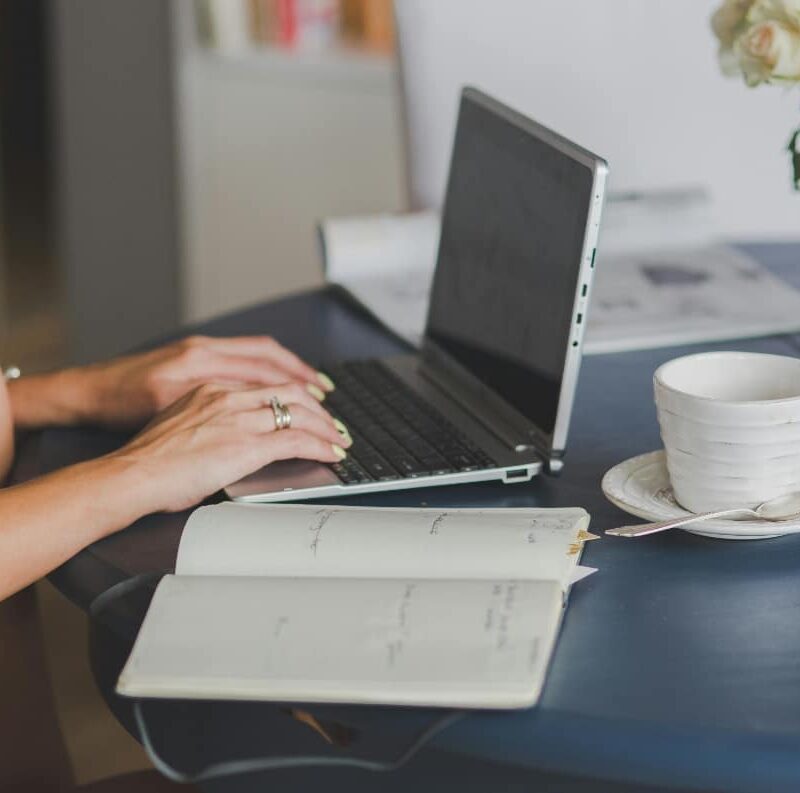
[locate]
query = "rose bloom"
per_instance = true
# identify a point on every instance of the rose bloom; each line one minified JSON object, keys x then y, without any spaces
{"x":727,"y":19}
{"x":784,"y":11}
{"x":759,"y":39}
{"x":769,"y":51}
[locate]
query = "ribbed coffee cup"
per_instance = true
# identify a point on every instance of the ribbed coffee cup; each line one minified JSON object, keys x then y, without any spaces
{"x":730,"y":423}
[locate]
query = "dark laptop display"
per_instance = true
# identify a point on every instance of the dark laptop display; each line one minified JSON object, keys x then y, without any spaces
{"x":512,"y":237}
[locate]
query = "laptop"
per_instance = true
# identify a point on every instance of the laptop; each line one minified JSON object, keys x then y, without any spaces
{"x":489,"y":395}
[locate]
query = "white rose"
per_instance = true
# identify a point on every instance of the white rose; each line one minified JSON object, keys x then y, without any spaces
{"x":769,"y":51}
{"x":728,"y":18}
{"x":785,"y":11}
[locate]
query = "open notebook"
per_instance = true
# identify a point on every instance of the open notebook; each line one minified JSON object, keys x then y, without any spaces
{"x":306,"y":603}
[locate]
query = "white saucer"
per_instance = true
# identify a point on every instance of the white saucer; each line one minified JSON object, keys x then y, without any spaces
{"x":641,"y":487}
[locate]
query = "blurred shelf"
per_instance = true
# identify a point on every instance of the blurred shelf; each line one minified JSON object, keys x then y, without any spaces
{"x":270,"y":139}
{"x":340,"y":64}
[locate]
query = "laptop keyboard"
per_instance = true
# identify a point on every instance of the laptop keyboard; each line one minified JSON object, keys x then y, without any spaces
{"x":396,"y":434}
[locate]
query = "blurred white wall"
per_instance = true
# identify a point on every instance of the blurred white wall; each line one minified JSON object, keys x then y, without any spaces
{"x":270,"y":142}
{"x":637,"y":81}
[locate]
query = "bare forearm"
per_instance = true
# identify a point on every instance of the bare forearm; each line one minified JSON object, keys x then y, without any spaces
{"x":6,"y":433}
{"x":45,"y":522}
{"x":61,"y":398}
{"x":58,"y":399}
{"x":128,"y":391}
{"x":210,"y":437}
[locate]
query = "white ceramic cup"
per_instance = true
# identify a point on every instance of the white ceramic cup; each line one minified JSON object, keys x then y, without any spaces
{"x":730,"y":423}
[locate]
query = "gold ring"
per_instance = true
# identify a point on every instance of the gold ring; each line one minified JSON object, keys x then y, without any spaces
{"x":283,"y":418}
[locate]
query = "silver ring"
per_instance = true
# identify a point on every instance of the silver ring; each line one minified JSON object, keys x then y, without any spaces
{"x":283,"y":418}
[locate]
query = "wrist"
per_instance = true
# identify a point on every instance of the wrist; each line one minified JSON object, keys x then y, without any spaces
{"x":142,"y":478}
{"x":95,"y":499}
{"x":62,"y":398}
{"x":6,"y":433}
{"x":127,"y":488}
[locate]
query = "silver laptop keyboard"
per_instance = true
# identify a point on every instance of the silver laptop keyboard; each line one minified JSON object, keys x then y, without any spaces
{"x":396,"y":434}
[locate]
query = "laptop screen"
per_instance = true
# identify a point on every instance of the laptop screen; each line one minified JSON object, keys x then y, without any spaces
{"x":506,"y":276}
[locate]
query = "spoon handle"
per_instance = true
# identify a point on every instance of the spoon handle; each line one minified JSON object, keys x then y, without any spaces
{"x":641,"y":529}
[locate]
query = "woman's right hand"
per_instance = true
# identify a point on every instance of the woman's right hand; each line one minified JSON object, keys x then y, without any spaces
{"x":206,"y":440}
{"x":217,"y":434}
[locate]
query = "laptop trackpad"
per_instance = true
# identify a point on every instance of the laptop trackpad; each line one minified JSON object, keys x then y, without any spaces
{"x":281,"y":476}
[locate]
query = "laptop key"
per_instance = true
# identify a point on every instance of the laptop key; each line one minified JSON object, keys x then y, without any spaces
{"x":350,"y":472}
{"x":420,"y":448}
{"x":372,"y":462}
{"x":437,"y":465}
{"x":408,"y":465}
{"x":378,"y":468}
{"x":464,"y":462}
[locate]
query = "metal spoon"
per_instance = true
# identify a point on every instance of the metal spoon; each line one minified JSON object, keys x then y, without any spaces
{"x":776,"y":509}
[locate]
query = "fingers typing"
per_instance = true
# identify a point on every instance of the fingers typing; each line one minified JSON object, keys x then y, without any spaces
{"x":264,"y":351}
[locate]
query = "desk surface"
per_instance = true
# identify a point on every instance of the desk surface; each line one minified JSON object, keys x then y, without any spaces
{"x":679,"y":661}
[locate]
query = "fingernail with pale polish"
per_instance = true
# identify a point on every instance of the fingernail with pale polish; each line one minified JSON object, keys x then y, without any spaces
{"x":316,"y":392}
{"x":344,"y":432}
{"x":338,"y":451}
{"x":326,"y":381}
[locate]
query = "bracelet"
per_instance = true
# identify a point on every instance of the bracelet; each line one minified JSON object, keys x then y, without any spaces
{"x":11,"y":373}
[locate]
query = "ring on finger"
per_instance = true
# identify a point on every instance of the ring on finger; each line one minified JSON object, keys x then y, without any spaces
{"x":283,"y":418}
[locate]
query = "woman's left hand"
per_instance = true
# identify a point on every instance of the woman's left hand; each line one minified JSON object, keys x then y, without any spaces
{"x":127,"y":391}
{"x":6,"y":432}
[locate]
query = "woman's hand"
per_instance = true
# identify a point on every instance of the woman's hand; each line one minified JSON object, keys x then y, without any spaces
{"x":208,"y":439}
{"x":127,"y":391}
{"x":6,"y":432}
{"x":217,"y":434}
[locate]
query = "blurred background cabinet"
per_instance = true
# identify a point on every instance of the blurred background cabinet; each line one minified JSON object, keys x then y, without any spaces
{"x":189,"y":177}
{"x":273,"y":140}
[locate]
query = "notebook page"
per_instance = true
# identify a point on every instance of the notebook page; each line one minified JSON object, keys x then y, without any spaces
{"x":351,"y":542}
{"x":394,"y":641}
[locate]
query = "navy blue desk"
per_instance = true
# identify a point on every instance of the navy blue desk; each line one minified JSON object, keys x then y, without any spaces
{"x":678,"y":666}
